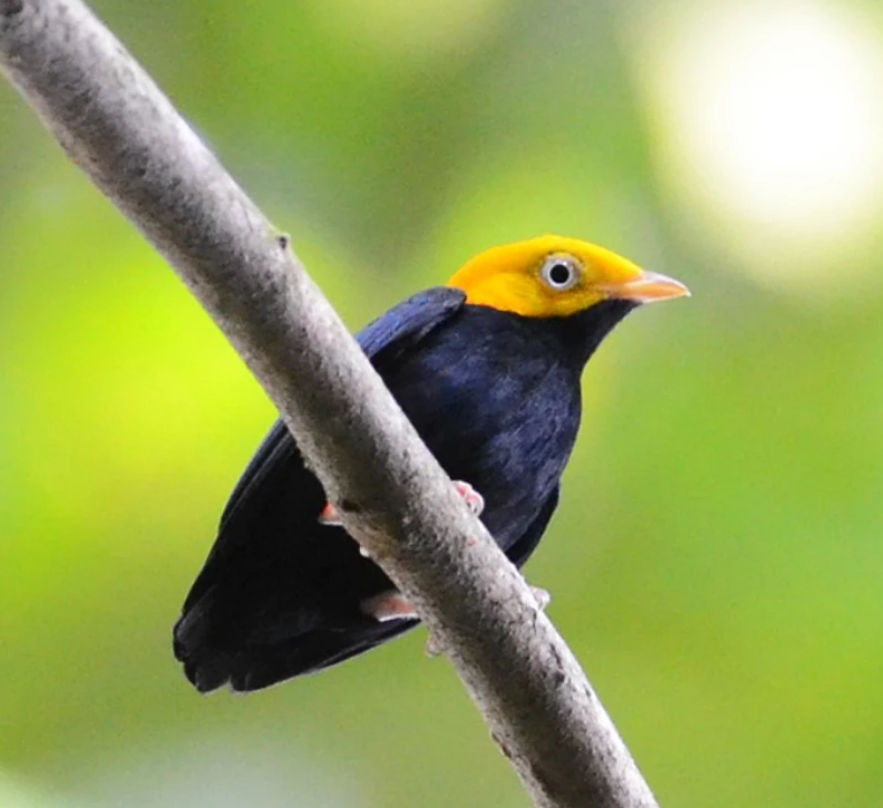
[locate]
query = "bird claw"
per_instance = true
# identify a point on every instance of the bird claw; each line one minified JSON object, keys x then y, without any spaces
{"x":433,"y":649}
{"x":330,"y":517}
{"x":474,"y":501}
{"x":389,"y":605}
{"x":541,"y":596}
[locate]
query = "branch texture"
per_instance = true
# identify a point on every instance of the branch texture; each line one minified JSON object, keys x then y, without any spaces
{"x":395,"y":499}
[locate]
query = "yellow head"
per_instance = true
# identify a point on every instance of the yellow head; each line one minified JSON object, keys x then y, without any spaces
{"x":553,"y":276}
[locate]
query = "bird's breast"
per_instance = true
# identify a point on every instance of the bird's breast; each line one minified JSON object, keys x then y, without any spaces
{"x":498,"y":404}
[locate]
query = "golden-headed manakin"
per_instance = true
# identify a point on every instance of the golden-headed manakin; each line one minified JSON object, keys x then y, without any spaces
{"x":488,"y":370}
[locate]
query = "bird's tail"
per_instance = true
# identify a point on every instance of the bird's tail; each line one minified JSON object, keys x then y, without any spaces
{"x":255,"y":662}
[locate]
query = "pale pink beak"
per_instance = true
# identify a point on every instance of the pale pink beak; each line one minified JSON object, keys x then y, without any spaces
{"x":648,"y":287}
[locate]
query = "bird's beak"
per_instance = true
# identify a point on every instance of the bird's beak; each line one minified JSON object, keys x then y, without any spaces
{"x":648,"y":287}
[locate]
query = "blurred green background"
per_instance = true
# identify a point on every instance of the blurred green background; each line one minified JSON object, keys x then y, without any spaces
{"x":717,"y":560}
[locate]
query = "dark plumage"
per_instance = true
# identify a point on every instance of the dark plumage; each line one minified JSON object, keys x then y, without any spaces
{"x":496,"y":397}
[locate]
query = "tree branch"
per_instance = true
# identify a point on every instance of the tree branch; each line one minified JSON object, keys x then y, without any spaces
{"x":395,"y":499}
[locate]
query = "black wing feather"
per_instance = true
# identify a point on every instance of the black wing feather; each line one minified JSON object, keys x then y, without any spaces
{"x":523,"y":549}
{"x":269,"y":663}
{"x":251,"y":610}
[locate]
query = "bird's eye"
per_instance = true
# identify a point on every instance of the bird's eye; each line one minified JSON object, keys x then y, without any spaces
{"x":560,"y":273}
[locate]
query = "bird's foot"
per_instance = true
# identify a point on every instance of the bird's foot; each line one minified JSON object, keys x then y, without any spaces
{"x":474,"y":501}
{"x":433,"y":649}
{"x":389,"y":605}
{"x":330,"y":516}
{"x":542,"y":597}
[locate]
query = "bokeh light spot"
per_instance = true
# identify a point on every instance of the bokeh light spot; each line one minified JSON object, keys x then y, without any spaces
{"x":770,"y":118}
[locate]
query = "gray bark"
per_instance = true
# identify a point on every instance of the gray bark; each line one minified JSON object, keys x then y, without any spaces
{"x":394,"y":498}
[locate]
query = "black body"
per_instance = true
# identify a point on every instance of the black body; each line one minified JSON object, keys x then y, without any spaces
{"x":496,"y":398}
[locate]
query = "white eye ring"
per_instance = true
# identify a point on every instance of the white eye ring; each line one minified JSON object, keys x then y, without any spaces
{"x":560,"y":272}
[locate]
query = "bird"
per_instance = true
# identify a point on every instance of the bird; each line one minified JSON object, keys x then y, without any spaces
{"x":488,"y":369}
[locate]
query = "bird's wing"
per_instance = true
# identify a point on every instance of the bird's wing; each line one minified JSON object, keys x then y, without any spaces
{"x":523,"y":548}
{"x":277,"y":472}
{"x":384,"y":340}
{"x":273,"y":449}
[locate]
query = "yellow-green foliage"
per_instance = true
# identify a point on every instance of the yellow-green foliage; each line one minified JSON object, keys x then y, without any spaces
{"x":716,"y":562}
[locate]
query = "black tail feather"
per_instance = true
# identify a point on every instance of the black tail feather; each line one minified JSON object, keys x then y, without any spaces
{"x":210,"y":665}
